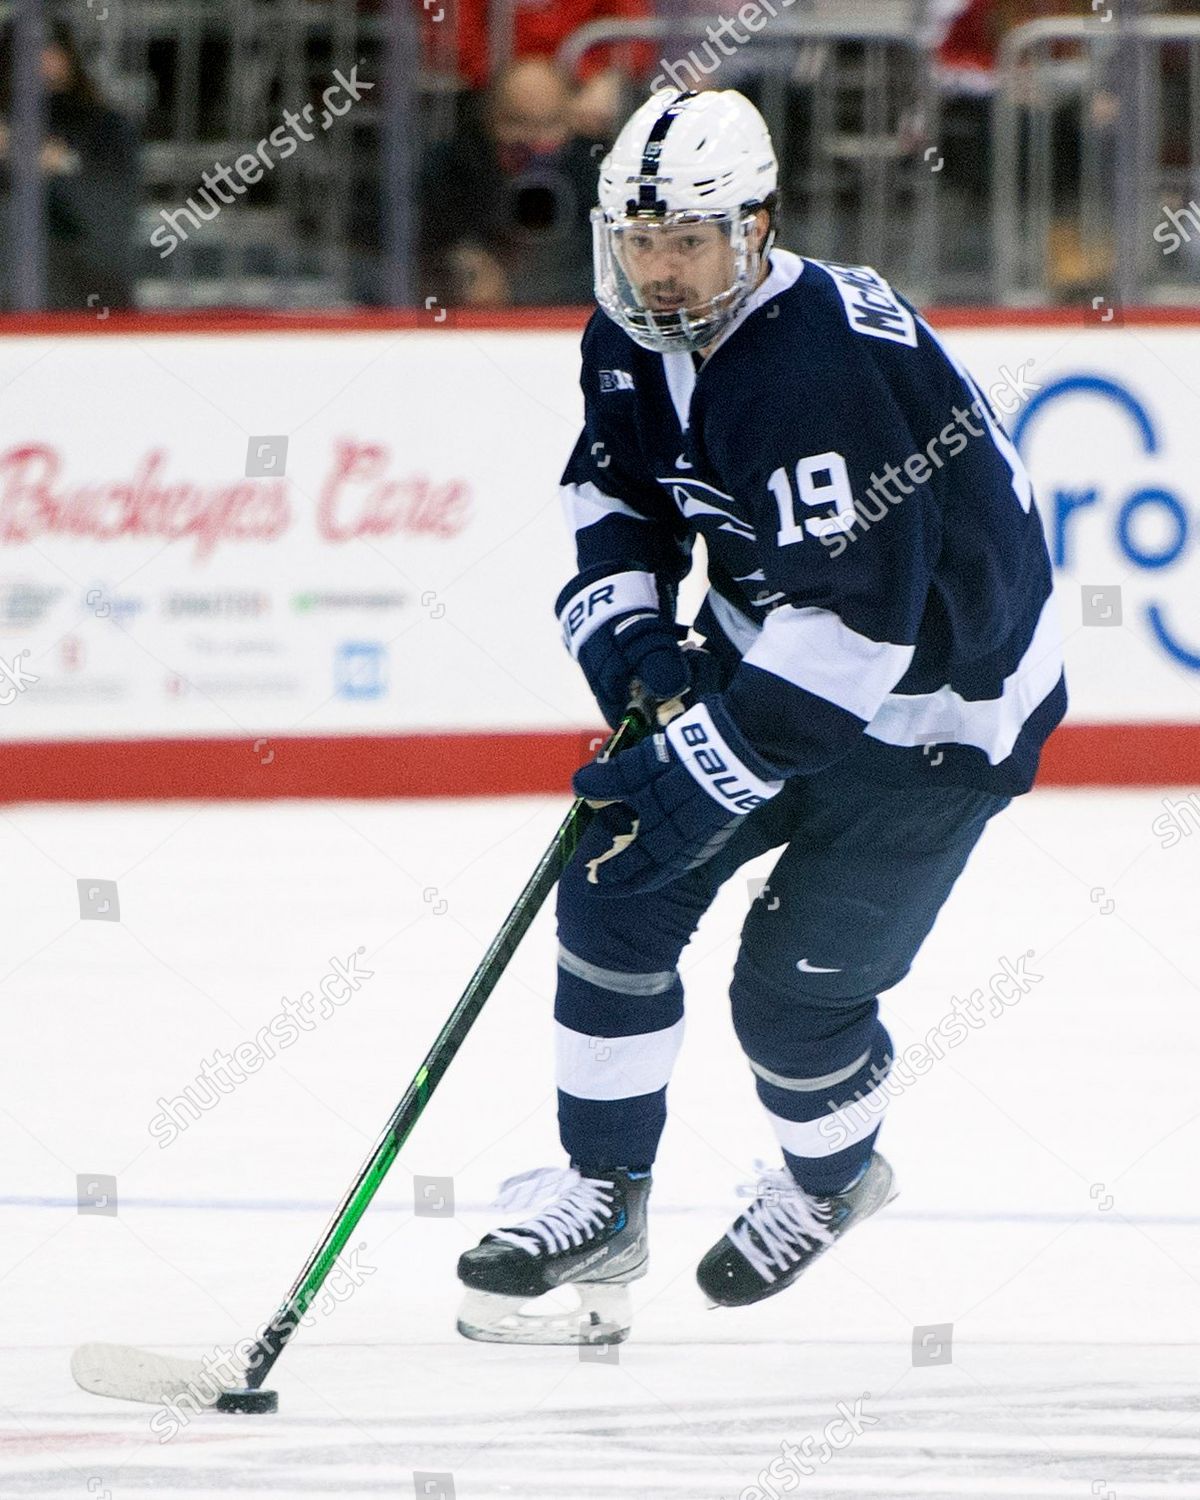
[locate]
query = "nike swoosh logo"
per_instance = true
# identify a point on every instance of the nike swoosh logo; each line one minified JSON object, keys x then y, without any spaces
{"x":806,"y":968}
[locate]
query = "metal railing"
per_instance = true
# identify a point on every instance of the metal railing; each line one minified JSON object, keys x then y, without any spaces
{"x":205,"y":82}
{"x":1094,"y":146}
{"x":291,"y":247}
{"x":1096,"y":149}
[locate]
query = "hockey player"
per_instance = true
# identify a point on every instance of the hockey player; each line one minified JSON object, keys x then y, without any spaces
{"x":881,"y":667}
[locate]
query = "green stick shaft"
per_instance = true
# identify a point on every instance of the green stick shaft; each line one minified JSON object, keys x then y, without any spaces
{"x":341,"y":1226}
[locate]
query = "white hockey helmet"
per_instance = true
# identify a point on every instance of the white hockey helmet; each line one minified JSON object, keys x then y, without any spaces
{"x":682,"y":159}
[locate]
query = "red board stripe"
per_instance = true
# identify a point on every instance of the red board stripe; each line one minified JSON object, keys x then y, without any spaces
{"x":517,"y":320}
{"x":1122,"y":755}
{"x":477,"y":763}
{"x":418,"y":765}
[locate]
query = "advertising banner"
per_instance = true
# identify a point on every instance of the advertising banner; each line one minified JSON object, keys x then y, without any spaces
{"x":264,"y":538}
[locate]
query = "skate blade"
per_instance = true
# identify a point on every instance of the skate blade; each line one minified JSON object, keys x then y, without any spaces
{"x":604,"y":1316}
{"x":886,"y":1188}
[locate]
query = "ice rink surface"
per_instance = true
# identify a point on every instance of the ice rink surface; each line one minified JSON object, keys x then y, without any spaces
{"x":1048,"y":1168}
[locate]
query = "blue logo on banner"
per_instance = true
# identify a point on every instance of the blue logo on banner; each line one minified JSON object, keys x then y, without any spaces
{"x":1149,"y":504}
{"x":359,"y":669}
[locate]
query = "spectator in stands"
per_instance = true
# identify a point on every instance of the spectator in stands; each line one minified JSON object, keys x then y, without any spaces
{"x":966,"y":67}
{"x":89,"y":162}
{"x":505,"y":202}
{"x":967,"y":60}
{"x":539,"y":28}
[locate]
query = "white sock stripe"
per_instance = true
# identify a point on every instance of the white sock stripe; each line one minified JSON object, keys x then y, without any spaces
{"x":587,"y":609}
{"x":727,"y":780}
{"x":617,"y":980}
{"x":834,"y":1131}
{"x":615,"y":1067}
{"x":809,"y":1085}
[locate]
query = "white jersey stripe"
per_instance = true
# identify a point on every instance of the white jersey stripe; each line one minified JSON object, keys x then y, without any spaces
{"x":815,"y":650}
{"x":739,"y":629}
{"x":585,"y":504}
{"x":990,"y":724}
{"x":681,"y":382}
{"x":944,"y":717}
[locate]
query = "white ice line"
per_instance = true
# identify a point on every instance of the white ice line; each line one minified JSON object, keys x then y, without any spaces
{"x":1086,"y":1218}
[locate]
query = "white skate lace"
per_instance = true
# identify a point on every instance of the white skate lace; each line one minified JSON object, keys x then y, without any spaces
{"x":577,"y":1206}
{"x":786,"y":1220}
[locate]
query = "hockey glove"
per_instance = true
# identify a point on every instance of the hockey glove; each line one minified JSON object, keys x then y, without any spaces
{"x":613,"y":625}
{"x":671,"y":801}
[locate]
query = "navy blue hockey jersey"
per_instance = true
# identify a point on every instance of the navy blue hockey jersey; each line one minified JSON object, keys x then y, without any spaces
{"x":879,"y":579}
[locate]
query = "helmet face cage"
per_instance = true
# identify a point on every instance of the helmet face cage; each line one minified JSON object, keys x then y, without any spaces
{"x":688,"y":328}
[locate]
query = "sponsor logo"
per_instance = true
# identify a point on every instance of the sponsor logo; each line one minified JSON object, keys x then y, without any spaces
{"x":178,"y":686}
{"x":724,"y":782}
{"x":583,"y":609}
{"x":307,"y":603}
{"x":871,"y":306}
{"x":360,"y":669}
{"x":572,"y":1270}
{"x":616,"y":380}
{"x":24,"y":604}
{"x":37,"y":501}
{"x":101,"y":601}
{"x":1148,"y":525}
{"x":227,"y":604}
{"x":806,"y":968}
{"x":77,"y":690}
{"x":362,"y":498}
{"x":207,"y":645}
{"x":633,"y":1252}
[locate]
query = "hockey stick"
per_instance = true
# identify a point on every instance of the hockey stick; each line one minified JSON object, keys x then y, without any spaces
{"x":133,"y":1374}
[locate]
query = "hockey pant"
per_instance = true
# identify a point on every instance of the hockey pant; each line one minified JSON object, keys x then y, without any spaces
{"x":850,"y":900}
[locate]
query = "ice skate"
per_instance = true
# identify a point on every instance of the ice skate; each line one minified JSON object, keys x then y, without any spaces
{"x":783,"y":1231}
{"x":588,"y":1236}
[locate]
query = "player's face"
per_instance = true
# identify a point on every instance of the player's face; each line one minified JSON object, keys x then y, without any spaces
{"x":676,"y":267}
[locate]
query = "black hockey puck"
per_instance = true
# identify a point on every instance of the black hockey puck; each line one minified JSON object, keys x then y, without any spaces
{"x":251,"y":1403}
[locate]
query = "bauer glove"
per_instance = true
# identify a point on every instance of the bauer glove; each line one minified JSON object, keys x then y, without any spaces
{"x":670,"y":802}
{"x":614,"y":626}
